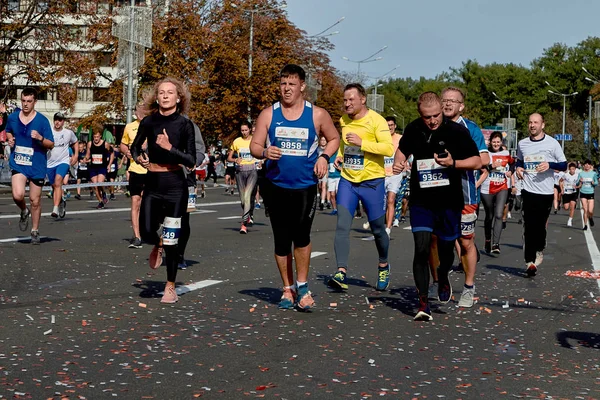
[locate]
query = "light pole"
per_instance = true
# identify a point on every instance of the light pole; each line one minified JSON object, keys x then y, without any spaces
{"x":367,"y":59}
{"x":504,"y":103}
{"x":564,"y":96}
{"x":595,"y":81}
{"x":324,"y":33}
{"x":253,"y":11}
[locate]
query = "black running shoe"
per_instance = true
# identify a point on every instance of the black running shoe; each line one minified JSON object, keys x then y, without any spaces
{"x":488,"y":246}
{"x":591,"y":221}
{"x":24,"y":219}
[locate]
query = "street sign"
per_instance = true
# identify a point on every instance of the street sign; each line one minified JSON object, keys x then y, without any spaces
{"x":586,"y":131}
{"x":566,"y":137}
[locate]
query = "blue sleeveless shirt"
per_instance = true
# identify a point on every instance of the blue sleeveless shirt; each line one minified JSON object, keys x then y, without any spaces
{"x":298,"y":141}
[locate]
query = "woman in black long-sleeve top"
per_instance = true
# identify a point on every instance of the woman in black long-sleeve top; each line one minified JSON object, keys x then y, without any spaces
{"x":170,"y":147}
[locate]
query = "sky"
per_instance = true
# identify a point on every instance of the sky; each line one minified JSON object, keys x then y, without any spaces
{"x":428,"y":37}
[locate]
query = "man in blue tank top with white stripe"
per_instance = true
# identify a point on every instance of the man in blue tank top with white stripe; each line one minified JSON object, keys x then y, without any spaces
{"x":287,"y":135}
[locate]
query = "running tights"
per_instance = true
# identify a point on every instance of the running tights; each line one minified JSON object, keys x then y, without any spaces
{"x":246,"y":182}
{"x":494,"y":211}
{"x":421,"y":260}
{"x":536,"y":210}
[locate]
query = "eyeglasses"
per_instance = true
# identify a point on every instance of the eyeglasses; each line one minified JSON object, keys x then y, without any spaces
{"x":451,"y":101}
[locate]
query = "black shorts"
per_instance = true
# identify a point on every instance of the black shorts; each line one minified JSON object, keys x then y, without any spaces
{"x":557,"y":187}
{"x":111,"y":175}
{"x":587,"y":196}
{"x":83,"y":174}
{"x":230,"y":171}
{"x":136,"y":183}
{"x":37,"y":182}
{"x":569,"y":197}
{"x":291,"y":212}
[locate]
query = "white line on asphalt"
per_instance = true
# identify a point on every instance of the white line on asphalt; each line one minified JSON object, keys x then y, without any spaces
{"x":593,"y":249}
{"x":317,"y":254}
{"x":407,"y":228}
{"x":233,"y":217}
{"x":194,"y":286}
{"x":20,"y":239}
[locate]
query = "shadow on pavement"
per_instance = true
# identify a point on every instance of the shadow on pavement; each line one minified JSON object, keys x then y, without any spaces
{"x":43,"y":239}
{"x":351,"y":281}
{"x":514,"y":246}
{"x":509,"y":270}
{"x":150,"y":289}
{"x":585,"y":339}
{"x":266,"y":294}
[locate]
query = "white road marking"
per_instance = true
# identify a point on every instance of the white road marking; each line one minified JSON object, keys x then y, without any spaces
{"x":593,"y":249}
{"x":317,"y":254}
{"x":368,"y":238}
{"x":194,"y":286}
{"x":20,"y":239}
{"x":233,"y":217}
{"x":407,"y":228}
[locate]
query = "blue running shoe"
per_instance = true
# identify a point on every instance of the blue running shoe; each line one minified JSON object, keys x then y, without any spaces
{"x":338,"y":281}
{"x":424,"y":313}
{"x":383,"y":279}
{"x":334,"y":212}
{"x":288,"y":299}
{"x":444,"y":288}
{"x":304,"y":302}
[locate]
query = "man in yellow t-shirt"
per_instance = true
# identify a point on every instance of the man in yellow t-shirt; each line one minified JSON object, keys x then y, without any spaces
{"x":365,"y":141}
{"x":137,"y":175}
{"x":246,"y":175}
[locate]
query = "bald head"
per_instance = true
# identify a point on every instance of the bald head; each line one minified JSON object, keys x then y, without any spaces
{"x":536,"y":125}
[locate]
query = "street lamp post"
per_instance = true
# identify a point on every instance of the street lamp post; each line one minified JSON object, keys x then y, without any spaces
{"x":500,"y":101}
{"x":595,"y":81}
{"x":253,"y":11}
{"x":564,"y":96}
{"x":367,"y":59}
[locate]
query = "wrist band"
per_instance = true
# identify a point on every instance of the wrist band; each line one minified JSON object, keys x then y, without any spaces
{"x":325,"y":156}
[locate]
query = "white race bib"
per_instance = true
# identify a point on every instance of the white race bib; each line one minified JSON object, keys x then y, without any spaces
{"x":354,"y":158}
{"x":24,"y":155}
{"x":431,"y":174}
{"x":292,"y":141}
{"x":532,"y":161}
{"x":97,"y":159}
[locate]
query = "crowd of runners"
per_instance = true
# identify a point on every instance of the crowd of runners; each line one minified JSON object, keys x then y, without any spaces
{"x":440,"y":172}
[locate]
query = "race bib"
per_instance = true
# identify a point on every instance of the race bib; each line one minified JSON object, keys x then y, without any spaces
{"x":569,"y":189}
{"x":113,"y":168}
{"x":23,"y":155}
{"x":587,"y":182}
{"x":331,"y":168}
{"x":532,"y":161}
{"x":191,"y":199}
{"x":245,"y":155}
{"x":467,"y":224}
{"x":171,"y":230}
{"x":97,"y":159}
{"x":498,"y":177}
{"x":354,"y":158}
{"x":292,"y":141}
{"x":83,"y":166}
{"x":431,"y":174}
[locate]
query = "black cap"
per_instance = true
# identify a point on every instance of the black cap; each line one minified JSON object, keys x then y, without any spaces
{"x":59,"y":116}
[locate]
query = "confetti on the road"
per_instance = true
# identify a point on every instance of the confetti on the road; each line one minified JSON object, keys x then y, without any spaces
{"x":584,"y":274}
{"x":49,"y":331}
{"x":143,"y":305}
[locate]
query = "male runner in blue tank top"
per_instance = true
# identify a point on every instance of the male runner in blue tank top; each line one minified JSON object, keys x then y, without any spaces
{"x":287,"y":135}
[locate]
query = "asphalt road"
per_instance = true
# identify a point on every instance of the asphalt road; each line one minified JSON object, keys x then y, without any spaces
{"x":81,"y":317}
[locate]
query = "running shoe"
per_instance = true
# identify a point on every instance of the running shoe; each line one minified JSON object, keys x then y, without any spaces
{"x":243,"y":229}
{"x":49,"y":194}
{"x":531,"y":270}
{"x":54,"y":213}
{"x":334,"y":212}
{"x":78,"y":196}
{"x":467,"y":298}
{"x":112,"y":196}
{"x":432,"y":293}
{"x":155,"y":259}
{"x":127,"y":194}
{"x":488,"y":246}
{"x":100,"y":206}
{"x":24,"y":219}
{"x":135,"y":243}
{"x":257,"y":206}
{"x":555,"y":211}
{"x":182,"y":264}
{"x":591,"y":221}
{"x":321,"y":206}
{"x":509,"y":215}
{"x":503,"y":225}
{"x":328,"y":205}
{"x":366,"y":225}
{"x":444,"y":288}
{"x":388,"y":231}
{"x":35,"y":237}
{"x":338,"y":281}
{"x":424,"y":313}
{"x":585,"y":227}
{"x":170,"y":295}
{"x":496,"y":249}
{"x":570,"y":222}
{"x":68,"y":194}
{"x":396,"y":223}
{"x":383,"y":278}
{"x":62,"y":208}
{"x":250,"y":221}
{"x":304,"y":302}
{"x":539,"y":258}
{"x":288,"y":299}
{"x":402,"y":220}
{"x":202,"y":194}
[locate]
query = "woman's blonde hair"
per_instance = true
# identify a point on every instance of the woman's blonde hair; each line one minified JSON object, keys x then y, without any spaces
{"x":182,"y":92}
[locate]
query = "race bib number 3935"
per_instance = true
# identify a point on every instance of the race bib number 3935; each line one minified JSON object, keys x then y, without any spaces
{"x":292,"y":141}
{"x":354,"y":158}
{"x":431,"y":174}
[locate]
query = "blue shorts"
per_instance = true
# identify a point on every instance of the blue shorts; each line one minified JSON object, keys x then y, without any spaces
{"x":371,"y":193}
{"x":60,"y":169}
{"x":444,"y":223}
{"x":97,"y":171}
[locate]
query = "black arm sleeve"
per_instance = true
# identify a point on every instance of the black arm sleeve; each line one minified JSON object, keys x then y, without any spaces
{"x":188,"y":156}
{"x":140,"y":138}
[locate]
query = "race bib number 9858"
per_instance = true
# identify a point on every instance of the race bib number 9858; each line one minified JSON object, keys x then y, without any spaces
{"x":292,"y":141}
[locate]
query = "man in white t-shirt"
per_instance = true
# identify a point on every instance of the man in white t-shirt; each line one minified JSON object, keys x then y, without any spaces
{"x":59,"y":162}
{"x":538,"y":156}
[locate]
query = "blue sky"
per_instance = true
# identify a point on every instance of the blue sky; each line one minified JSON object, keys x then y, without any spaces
{"x":428,"y":37}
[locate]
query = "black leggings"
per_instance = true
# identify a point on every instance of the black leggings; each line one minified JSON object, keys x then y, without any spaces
{"x":165,"y":195}
{"x":421,"y":260}
{"x":494,"y":212}
{"x":536,"y":210}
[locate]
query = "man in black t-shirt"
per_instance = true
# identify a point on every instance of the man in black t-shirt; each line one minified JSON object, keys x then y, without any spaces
{"x":441,"y":150}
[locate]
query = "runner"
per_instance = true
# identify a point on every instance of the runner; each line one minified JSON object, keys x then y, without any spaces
{"x":588,"y":180}
{"x":333,"y":182}
{"x":230,"y":175}
{"x":392,"y":182}
{"x":99,"y":155}
{"x":246,"y":175}
{"x":201,"y":175}
{"x":137,"y":175}
{"x":366,"y":140}
{"x":441,"y":150}
{"x":59,"y":162}
{"x":494,"y":192}
{"x":113,"y":169}
{"x":322,"y":186}
{"x":82,"y":168}
{"x":290,"y":129}
{"x":453,"y":100}
{"x":537,"y":157}
{"x":569,"y":187}
{"x":170,"y":144}
{"x":30,"y":136}
{"x":557,"y":192}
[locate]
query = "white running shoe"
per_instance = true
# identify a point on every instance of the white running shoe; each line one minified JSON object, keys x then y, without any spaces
{"x":570,"y":222}
{"x":388,"y":231}
{"x":396,"y":223}
{"x":539,"y":258}
{"x":467,"y":298}
{"x":366,"y":225}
